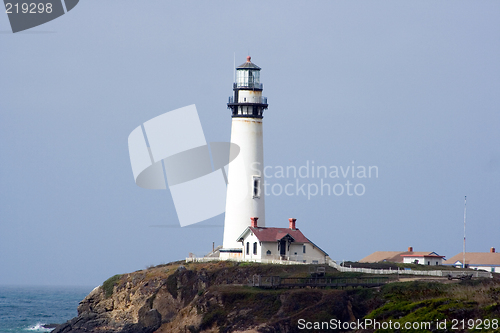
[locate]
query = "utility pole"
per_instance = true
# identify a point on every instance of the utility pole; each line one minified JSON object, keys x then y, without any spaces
{"x":465,"y":214}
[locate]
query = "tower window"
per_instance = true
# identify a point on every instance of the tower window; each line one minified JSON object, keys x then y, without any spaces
{"x":247,"y":78}
{"x":256,"y":186}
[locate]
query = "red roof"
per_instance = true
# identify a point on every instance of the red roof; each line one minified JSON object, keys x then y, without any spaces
{"x":394,"y":256}
{"x":425,"y":255}
{"x":275,"y":234}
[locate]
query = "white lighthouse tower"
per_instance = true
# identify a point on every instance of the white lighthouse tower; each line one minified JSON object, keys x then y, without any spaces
{"x":245,"y":192}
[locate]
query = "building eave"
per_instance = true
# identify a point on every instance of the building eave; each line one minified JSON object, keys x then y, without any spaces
{"x":242,"y":236}
{"x":317,"y":247}
{"x":421,"y":256}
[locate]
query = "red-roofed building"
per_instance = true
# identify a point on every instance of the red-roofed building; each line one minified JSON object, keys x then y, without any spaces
{"x":432,"y":258}
{"x":407,"y":257}
{"x":262,"y":243}
{"x":488,"y":261}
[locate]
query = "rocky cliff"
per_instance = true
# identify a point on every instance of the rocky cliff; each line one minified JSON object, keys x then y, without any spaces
{"x":209,"y":297}
{"x":215,"y":297}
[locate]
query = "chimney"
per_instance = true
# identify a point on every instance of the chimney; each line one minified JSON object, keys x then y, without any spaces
{"x":292,"y":223}
{"x":410,"y":249}
{"x":492,"y":250}
{"x":254,"y":222}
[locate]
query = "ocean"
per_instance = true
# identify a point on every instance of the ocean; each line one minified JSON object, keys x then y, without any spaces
{"x":27,"y":309}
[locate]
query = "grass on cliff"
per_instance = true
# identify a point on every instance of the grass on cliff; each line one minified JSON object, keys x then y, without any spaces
{"x":419,"y":301}
{"x":109,"y":284}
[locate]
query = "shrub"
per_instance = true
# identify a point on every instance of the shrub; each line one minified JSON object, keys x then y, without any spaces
{"x":109,"y":284}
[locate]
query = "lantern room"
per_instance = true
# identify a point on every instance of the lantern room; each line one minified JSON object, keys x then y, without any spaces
{"x":248,"y":75}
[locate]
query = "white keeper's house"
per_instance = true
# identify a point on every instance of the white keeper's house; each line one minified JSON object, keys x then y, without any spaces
{"x":264,"y":244}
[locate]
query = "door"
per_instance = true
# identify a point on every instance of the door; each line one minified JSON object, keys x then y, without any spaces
{"x":282,"y":247}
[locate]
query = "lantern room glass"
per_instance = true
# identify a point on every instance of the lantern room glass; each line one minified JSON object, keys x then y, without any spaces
{"x":247,"y":78}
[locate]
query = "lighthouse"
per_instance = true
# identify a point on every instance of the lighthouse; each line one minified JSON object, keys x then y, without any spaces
{"x":245,"y":191}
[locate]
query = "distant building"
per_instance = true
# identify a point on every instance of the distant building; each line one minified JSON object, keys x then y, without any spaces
{"x":407,"y":257}
{"x":432,"y":258}
{"x":266,"y":244}
{"x":488,"y":261}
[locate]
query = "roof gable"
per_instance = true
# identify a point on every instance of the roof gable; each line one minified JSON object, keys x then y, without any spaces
{"x":274,"y":235}
{"x":424,"y":254}
{"x":264,"y":234}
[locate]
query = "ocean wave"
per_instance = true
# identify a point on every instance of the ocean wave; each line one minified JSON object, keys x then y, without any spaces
{"x":39,"y":327}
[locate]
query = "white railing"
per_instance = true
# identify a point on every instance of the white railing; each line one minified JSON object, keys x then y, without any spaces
{"x":441,"y":273}
{"x":252,"y":99}
{"x":263,"y":261}
{"x":340,"y":268}
{"x":247,"y":84}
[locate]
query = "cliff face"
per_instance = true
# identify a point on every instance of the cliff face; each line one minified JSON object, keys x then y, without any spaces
{"x":214,"y":297}
{"x":206,"y":298}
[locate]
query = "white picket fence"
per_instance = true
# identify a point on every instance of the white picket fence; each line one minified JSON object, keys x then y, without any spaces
{"x":262,"y":261}
{"x":333,"y":263}
{"x":441,"y":273}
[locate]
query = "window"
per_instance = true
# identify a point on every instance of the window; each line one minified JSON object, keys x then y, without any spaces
{"x":256,"y":186}
{"x":303,"y":249}
{"x":268,"y":252}
{"x":247,"y":78}
{"x":255,"y":248}
{"x":248,"y":248}
{"x":315,"y":262}
{"x":428,"y":263}
{"x":437,"y":263}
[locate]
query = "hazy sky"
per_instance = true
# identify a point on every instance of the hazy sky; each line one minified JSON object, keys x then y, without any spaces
{"x":409,"y":87}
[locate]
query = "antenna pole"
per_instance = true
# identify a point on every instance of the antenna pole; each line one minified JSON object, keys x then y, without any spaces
{"x":234,"y":69}
{"x":465,"y":215}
